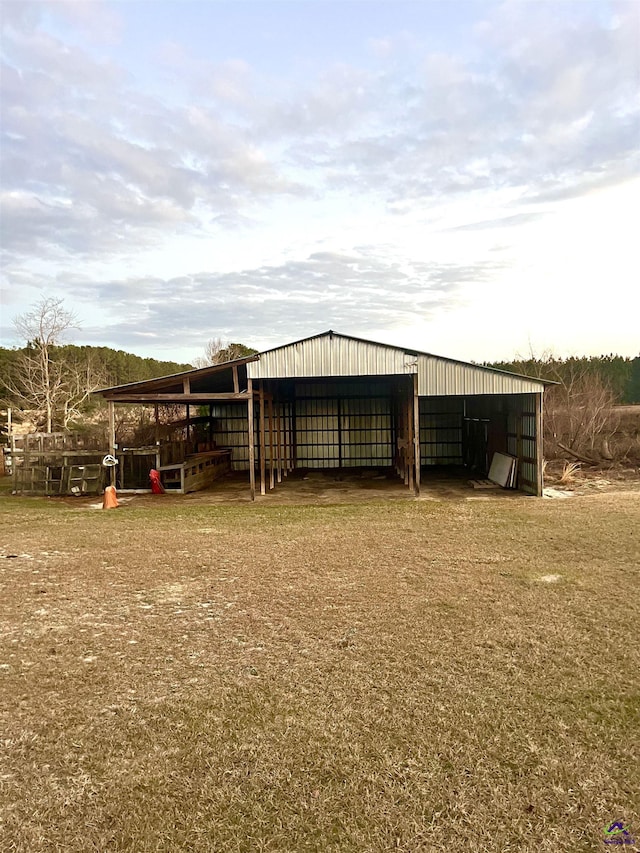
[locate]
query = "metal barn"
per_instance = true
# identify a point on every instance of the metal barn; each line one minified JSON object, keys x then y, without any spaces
{"x":335,"y":401}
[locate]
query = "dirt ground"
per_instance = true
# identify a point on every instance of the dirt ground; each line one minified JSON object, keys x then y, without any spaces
{"x":372,"y":674}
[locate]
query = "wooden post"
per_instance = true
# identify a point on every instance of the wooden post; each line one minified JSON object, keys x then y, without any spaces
{"x":294,"y":437}
{"x":112,"y":440}
{"x":416,"y":432}
{"x":279,"y":439}
{"x":236,"y":384}
{"x":272,"y":481}
{"x":156,"y":435}
{"x":285,"y":438}
{"x":263,"y":488}
{"x":539,"y":398}
{"x":405,"y":439}
{"x":252,"y":450}
{"x":410,"y":439}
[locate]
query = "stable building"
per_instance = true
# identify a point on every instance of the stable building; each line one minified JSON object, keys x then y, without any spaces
{"x":334,"y":401}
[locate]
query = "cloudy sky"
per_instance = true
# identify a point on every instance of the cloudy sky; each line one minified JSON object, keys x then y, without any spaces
{"x":460,"y":177}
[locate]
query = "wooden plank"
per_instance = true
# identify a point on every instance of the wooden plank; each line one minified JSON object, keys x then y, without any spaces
{"x":236,"y":383}
{"x":112,"y":440}
{"x":271,"y":443}
{"x":186,"y":385}
{"x":294,"y":437}
{"x":416,"y":432}
{"x":483,"y":484}
{"x":194,"y":399}
{"x":285,"y":439}
{"x":263,"y":488}
{"x":279,"y":443}
{"x":250,"y":438}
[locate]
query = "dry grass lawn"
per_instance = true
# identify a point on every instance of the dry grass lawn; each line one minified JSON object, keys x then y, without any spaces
{"x":411,"y":676}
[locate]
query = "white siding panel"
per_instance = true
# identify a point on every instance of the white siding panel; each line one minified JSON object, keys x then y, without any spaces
{"x":331,"y":356}
{"x":441,"y":377}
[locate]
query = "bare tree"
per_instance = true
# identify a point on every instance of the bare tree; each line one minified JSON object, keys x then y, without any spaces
{"x":81,"y":379}
{"x":580,"y":414}
{"x":45,"y":384}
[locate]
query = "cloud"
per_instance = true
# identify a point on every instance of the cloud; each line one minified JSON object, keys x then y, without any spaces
{"x":352,"y":291}
{"x":106,"y":157}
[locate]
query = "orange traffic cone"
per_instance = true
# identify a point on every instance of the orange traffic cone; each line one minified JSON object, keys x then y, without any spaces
{"x":110,"y":498}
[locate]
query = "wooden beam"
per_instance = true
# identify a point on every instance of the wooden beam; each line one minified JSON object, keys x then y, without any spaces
{"x":294,"y":437}
{"x":405,"y":439}
{"x":194,"y":399}
{"x":251,"y":439}
{"x":263,"y":488}
{"x":157,"y":423}
{"x":112,"y":440}
{"x":236,"y":383}
{"x":271,"y":443}
{"x":186,"y":385}
{"x":280,"y":465}
{"x":416,"y":432}
{"x":410,"y":461}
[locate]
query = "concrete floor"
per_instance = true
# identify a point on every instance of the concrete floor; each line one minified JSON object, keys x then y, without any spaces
{"x":338,"y":486}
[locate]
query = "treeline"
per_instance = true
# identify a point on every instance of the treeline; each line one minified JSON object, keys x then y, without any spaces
{"x":116,"y":366}
{"x":619,"y":374}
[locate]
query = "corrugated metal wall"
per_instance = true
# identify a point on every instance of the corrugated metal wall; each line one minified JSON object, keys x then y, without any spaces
{"x":231,"y":430}
{"x":441,"y":430}
{"x":521,"y":439}
{"x":438,"y":376}
{"x":331,"y":356}
{"x":351,"y":424}
{"x":334,"y":355}
{"x":346,"y":425}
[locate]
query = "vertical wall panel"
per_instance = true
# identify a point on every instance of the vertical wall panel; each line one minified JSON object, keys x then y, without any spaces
{"x":441,"y":430}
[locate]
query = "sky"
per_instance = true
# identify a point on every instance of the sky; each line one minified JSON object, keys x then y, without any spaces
{"x":456,"y":177}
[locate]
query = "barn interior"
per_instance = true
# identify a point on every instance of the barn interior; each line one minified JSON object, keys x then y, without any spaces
{"x":369,"y":425}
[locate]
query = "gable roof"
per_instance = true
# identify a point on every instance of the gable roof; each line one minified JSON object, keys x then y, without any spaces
{"x":332,"y":354}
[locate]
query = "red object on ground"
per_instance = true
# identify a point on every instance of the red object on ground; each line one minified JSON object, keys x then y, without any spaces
{"x":110,"y":500}
{"x":156,"y":486}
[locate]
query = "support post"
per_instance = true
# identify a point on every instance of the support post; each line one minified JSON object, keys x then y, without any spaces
{"x":272,"y":481}
{"x":236,"y":384}
{"x":263,"y":487}
{"x":294,"y":437}
{"x":285,"y":440}
{"x":539,"y":444}
{"x":112,"y":441}
{"x":279,"y":440}
{"x":410,"y":439}
{"x":416,"y":433}
{"x":252,"y":449}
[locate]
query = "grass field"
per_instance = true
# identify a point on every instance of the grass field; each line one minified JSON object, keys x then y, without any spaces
{"x":412,"y":676}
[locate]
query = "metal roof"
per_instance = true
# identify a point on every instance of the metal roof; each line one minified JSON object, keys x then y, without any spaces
{"x":330,"y":354}
{"x":172,"y":378}
{"x":333,"y":354}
